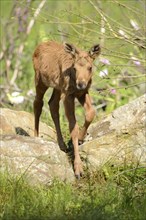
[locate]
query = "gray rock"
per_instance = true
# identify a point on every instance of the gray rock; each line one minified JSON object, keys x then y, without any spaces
{"x":37,"y":160}
{"x":117,"y":139}
{"x":22,"y":123}
{"x":124,"y":120}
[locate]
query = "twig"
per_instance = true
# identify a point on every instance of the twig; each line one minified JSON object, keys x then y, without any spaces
{"x":122,"y":87}
{"x":31,"y":23}
{"x":21,"y":47}
{"x":18,"y":62}
{"x":116,"y":34}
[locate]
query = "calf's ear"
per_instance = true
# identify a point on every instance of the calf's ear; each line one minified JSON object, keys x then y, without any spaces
{"x":94,"y":51}
{"x":70,"y":48}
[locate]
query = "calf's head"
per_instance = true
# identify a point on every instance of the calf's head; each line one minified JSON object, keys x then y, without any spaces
{"x":83,"y":62}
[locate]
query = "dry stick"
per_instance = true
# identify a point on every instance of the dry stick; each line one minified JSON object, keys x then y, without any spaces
{"x":16,"y":70}
{"x":21,"y":47}
{"x":117,"y":56}
{"x":129,"y":8}
{"x":111,"y":29}
{"x":122,"y":87}
{"x":105,"y":35}
{"x":3,"y":47}
{"x":124,"y":77}
{"x":31,"y":23}
{"x":104,"y":18}
{"x":102,"y":29}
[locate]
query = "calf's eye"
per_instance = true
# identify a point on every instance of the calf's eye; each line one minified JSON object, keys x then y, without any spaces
{"x":90,"y":69}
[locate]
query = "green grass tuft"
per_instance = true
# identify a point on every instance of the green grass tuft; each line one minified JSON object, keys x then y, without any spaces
{"x":119,"y":195}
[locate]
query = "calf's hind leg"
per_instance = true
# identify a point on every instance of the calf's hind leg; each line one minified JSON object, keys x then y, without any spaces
{"x":37,"y":105}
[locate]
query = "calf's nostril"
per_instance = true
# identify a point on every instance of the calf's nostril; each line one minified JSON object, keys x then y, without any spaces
{"x":81,"y":85}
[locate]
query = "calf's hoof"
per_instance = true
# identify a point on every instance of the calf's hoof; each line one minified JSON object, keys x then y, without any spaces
{"x":63,"y":147}
{"x":78,"y":170}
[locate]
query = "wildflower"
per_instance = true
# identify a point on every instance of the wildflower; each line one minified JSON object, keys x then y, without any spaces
{"x":134,"y":24}
{"x":104,"y":61}
{"x":15,"y":98}
{"x":14,"y":94}
{"x":136,"y":61}
{"x":30,"y":92}
{"x":103,"y":73}
{"x":113,"y":91}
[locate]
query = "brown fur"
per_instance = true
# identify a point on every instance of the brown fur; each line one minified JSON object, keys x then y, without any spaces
{"x":69,"y":71}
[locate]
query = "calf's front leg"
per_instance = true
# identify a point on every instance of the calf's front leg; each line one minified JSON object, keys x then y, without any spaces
{"x":85,"y":101}
{"x":74,"y":132}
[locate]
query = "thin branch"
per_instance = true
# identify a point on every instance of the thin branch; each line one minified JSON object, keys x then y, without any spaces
{"x":21,"y":47}
{"x":31,"y":23}
{"x":121,"y":87}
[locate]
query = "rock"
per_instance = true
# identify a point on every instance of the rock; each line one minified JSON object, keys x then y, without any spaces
{"x":40,"y":161}
{"x":22,"y":123}
{"x":35,"y":159}
{"x":118,"y":138}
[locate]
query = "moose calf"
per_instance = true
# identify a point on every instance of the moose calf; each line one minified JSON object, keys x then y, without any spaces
{"x":68,"y":70}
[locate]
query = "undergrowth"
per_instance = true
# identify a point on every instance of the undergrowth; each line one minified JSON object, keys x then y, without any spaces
{"x":110,"y":193}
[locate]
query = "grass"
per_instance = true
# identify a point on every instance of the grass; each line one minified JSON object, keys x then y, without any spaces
{"x":110,"y":193}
